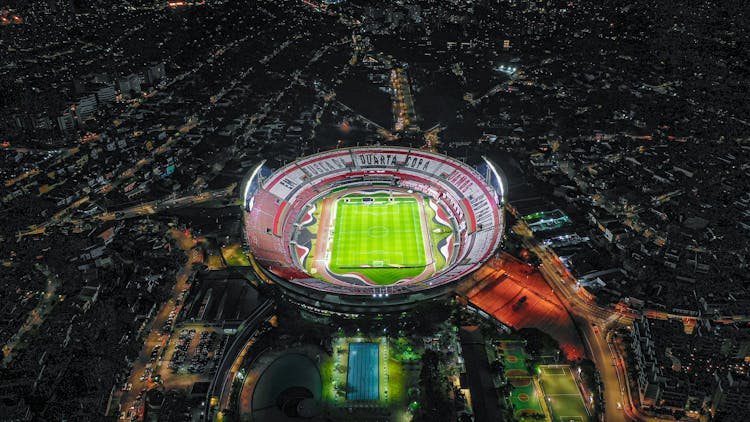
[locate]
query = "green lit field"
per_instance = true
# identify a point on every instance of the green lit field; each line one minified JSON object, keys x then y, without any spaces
{"x":563,"y":397}
{"x":525,"y":400}
{"x":524,"y":397}
{"x":235,"y":256}
{"x":378,"y":236}
{"x":514,"y":359}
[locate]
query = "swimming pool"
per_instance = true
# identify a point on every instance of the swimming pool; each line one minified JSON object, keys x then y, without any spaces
{"x":363,"y":375}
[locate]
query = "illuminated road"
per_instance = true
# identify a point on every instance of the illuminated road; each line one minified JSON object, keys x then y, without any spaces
{"x":154,"y":335}
{"x":36,"y":316}
{"x":221,"y":385}
{"x":65,"y":214}
{"x":154,"y":207}
{"x":586,"y":315}
{"x":146,"y":208}
{"x":401,"y":100}
{"x":30,"y":174}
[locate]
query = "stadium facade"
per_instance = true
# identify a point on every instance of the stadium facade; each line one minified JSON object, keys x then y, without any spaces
{"x":293,"y":226}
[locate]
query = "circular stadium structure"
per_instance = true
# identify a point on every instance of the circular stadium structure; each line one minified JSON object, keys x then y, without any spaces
{"x":371,"y":229}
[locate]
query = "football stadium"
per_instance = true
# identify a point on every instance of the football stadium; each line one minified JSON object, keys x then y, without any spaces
{"x":371,"y":228}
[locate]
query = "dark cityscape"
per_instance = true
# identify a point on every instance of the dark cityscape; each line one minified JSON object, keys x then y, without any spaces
{"x":374,"y":210}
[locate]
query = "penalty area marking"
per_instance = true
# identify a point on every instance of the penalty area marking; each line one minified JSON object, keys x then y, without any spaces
{"x":553,"y":372}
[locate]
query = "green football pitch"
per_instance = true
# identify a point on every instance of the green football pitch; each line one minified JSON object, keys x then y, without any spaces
{"x":563,"y":397}
{"x":378,"y":236}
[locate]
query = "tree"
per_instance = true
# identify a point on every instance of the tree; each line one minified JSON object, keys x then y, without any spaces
{"x":435,"y":406}
{"x":497,"y":366}
{"x":538,"y":342}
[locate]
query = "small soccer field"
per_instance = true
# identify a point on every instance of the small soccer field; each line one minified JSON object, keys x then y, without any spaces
{"x":561,"y":392}
{"x":363,"y":372}
{"x":379,"y":236}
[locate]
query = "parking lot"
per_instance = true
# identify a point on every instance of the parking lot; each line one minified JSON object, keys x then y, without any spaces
{"x":192,"y":355}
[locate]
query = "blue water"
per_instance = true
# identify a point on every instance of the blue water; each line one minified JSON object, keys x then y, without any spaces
{"x":363,"y":375}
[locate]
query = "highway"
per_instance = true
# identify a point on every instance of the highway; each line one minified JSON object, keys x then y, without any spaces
{"x":154,"y":207}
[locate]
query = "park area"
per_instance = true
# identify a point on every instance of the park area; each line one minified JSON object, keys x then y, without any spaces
{"x":235,"y":256}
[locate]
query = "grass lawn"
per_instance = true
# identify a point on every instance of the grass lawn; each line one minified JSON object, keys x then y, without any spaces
{"x":564,"y":398}
{"x":327,"y":368}
{"x":214,"y":262}
{"x":235,"y":256}
{"x":396,"y":382}
{"x":379,"y":237}
{"x":438,"y":232}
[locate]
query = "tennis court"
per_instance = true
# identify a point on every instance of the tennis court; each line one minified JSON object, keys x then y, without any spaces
{"x":363,"y":374}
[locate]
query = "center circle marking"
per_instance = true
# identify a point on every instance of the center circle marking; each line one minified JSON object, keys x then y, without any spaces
{"x":378,"y":231}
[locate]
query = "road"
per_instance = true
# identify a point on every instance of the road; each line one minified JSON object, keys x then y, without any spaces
{"x":145,"y":208}
{"x":593,"y":321}
{"x":153,"y":207}
{"x":36,"y":316}
{"x":154,"y":334}
{"x":614,"y":384}
{"x":65,"y":214}
{"x":221,"y":385}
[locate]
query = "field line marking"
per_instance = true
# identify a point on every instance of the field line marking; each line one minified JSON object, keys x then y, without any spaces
{"x":562,"y":394}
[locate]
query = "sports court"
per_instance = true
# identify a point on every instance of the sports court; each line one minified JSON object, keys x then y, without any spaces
{"x":514,"y":359}
{"x":363,"y":374}
{"x":561,"y":391}
{"x":525,"y":399}
{"x":379,"y":236}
